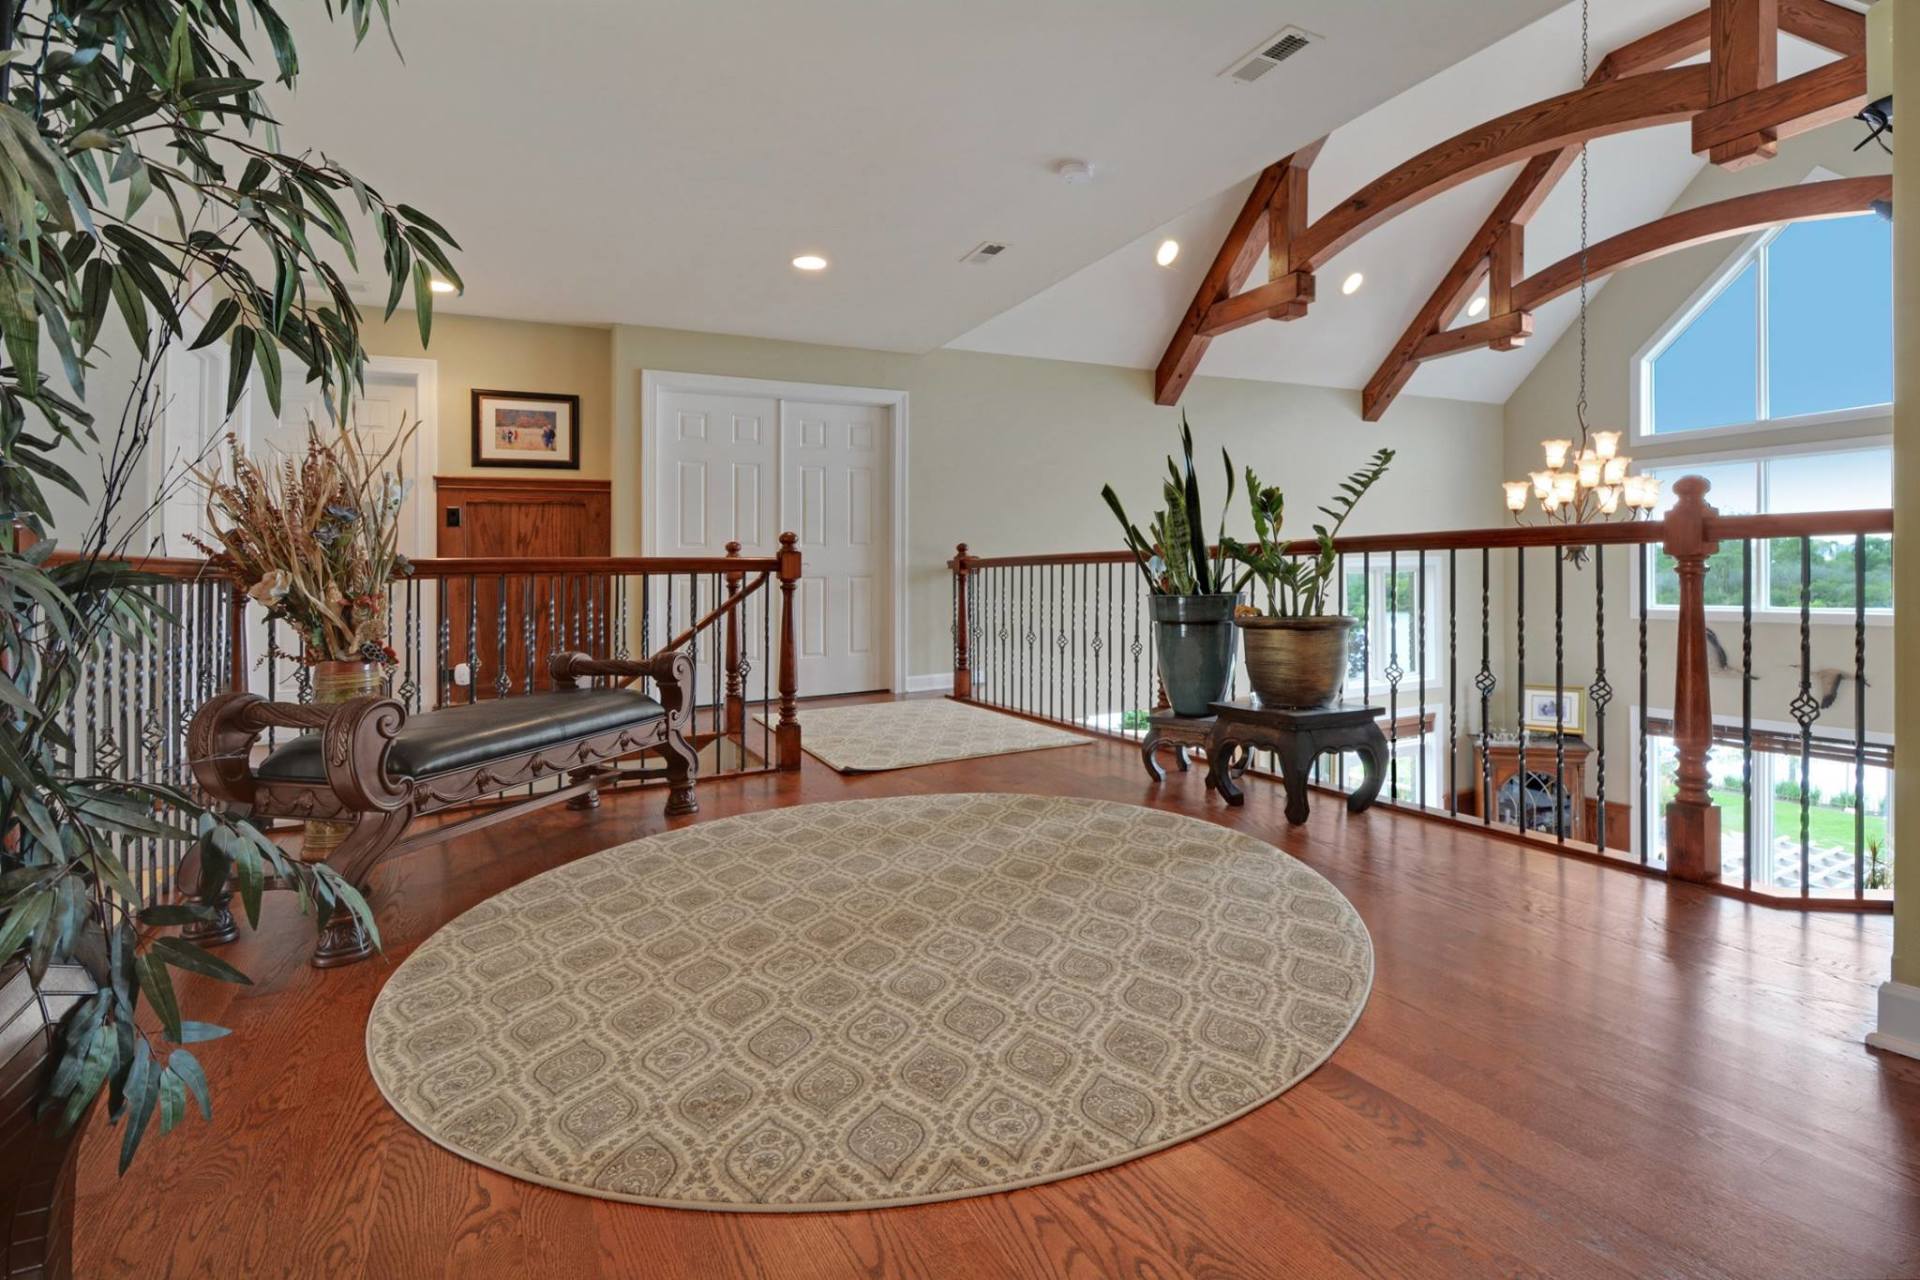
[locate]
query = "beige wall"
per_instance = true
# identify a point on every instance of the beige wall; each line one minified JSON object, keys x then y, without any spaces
{"x":1906,"y":498}
{"x":506,"y":355}
{"x":1008,"y":454}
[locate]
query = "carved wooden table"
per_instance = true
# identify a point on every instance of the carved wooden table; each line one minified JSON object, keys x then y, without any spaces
{"x":1297,"y":737}
{"x":1182,"y":733}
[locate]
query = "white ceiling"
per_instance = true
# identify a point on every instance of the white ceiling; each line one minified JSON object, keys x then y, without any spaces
{"x":1122,"y":309}
{"x":660,"y":163}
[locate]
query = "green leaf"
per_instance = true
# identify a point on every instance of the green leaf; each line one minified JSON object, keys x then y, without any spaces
{"x":143,"y":1088}
{"x":239,"y":365}
{"x":423,"y":300}
{"x":192,"y":1032}
{"x":187,"y":1067}
{"x":157,"y":986}
{"x":267,"y":355}
{"x":182,"y":954}
{"x":224,"y":313}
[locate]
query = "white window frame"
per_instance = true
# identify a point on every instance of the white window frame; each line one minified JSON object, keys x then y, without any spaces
{"x":1431,"y":681}
{"x":1641,"y":429}
{"x":1763,"y":610}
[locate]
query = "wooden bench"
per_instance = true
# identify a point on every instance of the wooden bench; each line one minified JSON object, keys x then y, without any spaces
{"x":369,"y":765}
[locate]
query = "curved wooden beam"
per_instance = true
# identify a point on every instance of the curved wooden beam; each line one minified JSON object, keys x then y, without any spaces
{"x":1739,"y":216}
{"x":1614,"y":106}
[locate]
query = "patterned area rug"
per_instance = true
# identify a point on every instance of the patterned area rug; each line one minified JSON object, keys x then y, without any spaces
{"x":871,"y":1002}
{"x":872,"y":736}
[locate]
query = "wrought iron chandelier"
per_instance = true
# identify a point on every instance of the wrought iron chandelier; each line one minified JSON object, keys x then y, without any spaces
{"x":1585,"y":480}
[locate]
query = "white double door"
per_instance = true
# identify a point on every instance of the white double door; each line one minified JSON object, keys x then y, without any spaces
{"x":744,"y":467}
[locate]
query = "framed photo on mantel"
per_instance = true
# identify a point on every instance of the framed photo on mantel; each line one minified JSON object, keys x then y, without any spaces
{"x":526,"y":429}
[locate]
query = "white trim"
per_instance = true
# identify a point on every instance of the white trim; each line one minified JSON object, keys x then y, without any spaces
{"x":938,"y":682}
{"x":656,"y":382}
{"x":1899,"y":1023}
{"x":425,"y":372}
{"x":1640,"y":371}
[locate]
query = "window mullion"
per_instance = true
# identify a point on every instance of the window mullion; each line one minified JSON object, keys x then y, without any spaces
{"x":1762,"y":391}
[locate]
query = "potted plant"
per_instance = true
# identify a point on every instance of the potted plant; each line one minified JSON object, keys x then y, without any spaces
{"x":1190,"y":599}
{"x":1296,"y":650}
{"x":148,"y":206}
{"x":315,"y":540}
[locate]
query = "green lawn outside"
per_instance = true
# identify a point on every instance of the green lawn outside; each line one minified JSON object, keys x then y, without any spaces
{"x":1825,"y":826}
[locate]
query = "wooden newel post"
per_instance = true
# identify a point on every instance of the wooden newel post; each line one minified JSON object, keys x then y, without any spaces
{"x":961,"y":565}
{"x":787,"y":732}
{"x":1693,"y":823}
{"x":736,"y":696}
{"x":237,"y":639}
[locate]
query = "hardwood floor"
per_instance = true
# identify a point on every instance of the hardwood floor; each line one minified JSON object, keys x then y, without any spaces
{"x":1564,"y":1069}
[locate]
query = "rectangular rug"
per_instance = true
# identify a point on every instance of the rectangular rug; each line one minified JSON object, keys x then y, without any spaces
{"x":871,"y":736}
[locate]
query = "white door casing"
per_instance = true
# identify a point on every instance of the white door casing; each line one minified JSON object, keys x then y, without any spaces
{"x":826,"y":462}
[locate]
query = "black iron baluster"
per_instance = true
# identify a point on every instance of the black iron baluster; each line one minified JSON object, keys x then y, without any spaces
{"x":1746,"y":711}
{"x":1643,"y":567}
{"x":1601,"y":693}
{"x":1393,"y":674}
{"x":1806,"y":709}
{"x":473,"y":640}
{"x":1559,"y":699}
{"x":502,"y":681}
{"x":1420,"y":664}
{"x":444,"y":658}
{"x":273,"y":673}
{"x":1520,"y":686}
{"x":529,"y":632}
{"x":646,"y":621}
{"x":1485,"y":683}
{"x":1859,"y":715}
{"x":621,"y":626}
{"x":1453,"y":682}
{"x":1136,"y":648}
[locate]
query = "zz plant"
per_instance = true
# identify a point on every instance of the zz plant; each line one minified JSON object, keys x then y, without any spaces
{"x":1176,"y":560}
{"x":1296,"y":586}
{"x":142,"y":184}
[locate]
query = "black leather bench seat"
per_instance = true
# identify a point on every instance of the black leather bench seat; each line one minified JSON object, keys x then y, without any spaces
{"x":435,"y":742}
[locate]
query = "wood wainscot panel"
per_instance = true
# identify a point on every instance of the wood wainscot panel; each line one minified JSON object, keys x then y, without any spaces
{"x":533,"y":519}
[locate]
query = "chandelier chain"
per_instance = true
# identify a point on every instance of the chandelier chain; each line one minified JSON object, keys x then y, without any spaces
{"x":1581,"y":404}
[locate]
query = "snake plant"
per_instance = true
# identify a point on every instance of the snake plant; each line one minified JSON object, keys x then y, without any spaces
{"x":1176,"y":560}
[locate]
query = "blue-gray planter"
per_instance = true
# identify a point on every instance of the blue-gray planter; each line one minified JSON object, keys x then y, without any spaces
{"x":1194,"y":644}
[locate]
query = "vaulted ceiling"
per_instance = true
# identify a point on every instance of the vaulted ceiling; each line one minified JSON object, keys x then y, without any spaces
{"x":1121,"y":309}
{"x":660,"y":162}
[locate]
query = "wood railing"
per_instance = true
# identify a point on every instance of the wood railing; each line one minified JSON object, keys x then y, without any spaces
{"x":462,"y":630}
{"x":1728,"y":602}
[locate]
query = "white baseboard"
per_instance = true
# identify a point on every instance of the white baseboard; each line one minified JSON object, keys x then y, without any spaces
{"x":1899,"y":1029}
{"x":938,"y":682}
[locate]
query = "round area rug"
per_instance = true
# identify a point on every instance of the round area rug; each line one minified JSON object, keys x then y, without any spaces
{"x":871,"y":1002}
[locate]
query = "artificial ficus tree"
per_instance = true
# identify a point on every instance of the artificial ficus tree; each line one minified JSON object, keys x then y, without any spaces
{"x":142,"y":177}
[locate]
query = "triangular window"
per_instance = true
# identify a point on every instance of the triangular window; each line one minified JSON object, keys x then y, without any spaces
{"x":1799,"y":324}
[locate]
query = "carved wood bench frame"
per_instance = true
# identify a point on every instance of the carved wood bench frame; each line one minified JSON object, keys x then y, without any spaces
{"x":355,"y":739}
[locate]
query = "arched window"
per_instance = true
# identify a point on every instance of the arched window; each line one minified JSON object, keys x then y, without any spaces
{"x":1798,"y":324}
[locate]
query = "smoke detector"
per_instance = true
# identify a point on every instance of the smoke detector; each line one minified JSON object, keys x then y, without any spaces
{"x":984,"y":252}
{"x":1270,"y":53}
{"x":1075,"y":173}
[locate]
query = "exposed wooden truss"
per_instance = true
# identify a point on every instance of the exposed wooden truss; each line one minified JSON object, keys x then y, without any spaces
{"x":1739,"y":111}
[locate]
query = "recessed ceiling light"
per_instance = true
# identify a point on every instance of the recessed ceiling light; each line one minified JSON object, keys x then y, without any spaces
{"x":1352,"y":283}
{"x":810,"y":262}
{"x":442,"y":286}
{"x":1478,"y":305}
{"x":1167,"y":252}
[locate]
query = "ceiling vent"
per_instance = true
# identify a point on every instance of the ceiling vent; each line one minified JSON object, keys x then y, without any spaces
{"x":1271,"y":53}
{"x":984,"y":252}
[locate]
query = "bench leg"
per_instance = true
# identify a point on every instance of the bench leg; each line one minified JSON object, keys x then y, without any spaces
{"x":589,"y":799}
{"x":342,"y":941}
{"x":682,"y":764}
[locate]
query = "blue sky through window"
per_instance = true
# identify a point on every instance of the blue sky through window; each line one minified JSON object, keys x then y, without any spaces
{"x":1828,"y":312}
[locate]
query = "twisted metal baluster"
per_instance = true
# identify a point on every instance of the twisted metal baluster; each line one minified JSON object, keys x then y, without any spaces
{"x":1748,"y":847}
{"x":1486,"y":684}
{"x":1559,"y":700}
{"x":1520,"y":686}
{"x":1393,"y":673}
{"x":502,"y":679}
{"x":1453,"y":683}
{"x":529,"y":631}
{"x":1806,"y":709}
{"x":1601,"y":693}
{"x":1642,"y":563}
{"x":1859,"y":715}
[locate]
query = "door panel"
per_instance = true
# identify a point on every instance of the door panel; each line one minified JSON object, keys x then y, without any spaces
{"x":833,"y":458}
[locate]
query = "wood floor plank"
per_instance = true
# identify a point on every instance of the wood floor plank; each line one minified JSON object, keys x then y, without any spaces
{"x":1565,"y":1069}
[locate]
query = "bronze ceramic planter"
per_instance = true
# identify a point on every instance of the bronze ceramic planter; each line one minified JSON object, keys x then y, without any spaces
{"x":1297,"y":662}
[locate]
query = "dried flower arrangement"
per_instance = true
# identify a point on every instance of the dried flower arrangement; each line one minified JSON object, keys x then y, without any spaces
{"x":315,"y":538}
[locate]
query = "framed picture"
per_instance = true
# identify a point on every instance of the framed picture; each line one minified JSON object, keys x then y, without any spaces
{"x":526,"y":429}
{"x":1541,"y":702}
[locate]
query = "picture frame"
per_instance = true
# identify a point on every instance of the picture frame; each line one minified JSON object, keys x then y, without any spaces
{"x":1538,"y":703}
{"x":539,"y":429}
